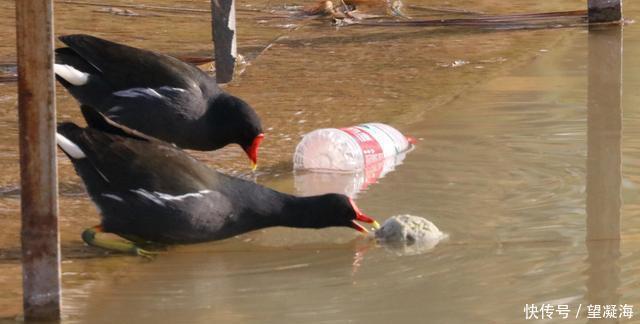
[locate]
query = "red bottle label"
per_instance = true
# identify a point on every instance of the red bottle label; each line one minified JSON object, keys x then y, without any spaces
{"x":371,"y":149}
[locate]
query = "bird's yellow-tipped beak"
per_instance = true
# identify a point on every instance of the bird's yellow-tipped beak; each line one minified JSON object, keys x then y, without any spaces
{"x":252,"y":151}
{"x":359,"y":227}
{"x":360,"y":216}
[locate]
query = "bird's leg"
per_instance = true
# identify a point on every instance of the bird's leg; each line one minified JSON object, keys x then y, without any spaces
{"x":89,"y":235}
{"x":142,"y":243}
{"x":134,"y":239}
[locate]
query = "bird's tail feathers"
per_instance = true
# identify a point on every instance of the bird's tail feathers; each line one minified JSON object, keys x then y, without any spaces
{"x":66,"y":134}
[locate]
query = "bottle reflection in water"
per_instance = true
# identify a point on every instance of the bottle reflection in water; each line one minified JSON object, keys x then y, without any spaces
{"x":309,"y":183}
{"x":347,"y":160}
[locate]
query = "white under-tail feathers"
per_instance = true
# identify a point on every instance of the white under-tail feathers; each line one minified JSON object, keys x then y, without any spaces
{"x":74,"y":151}
{"x":69,"y":147}
{"x":71,"y":74}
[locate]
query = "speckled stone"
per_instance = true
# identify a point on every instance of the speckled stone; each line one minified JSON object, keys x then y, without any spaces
{"x":409,"y":229}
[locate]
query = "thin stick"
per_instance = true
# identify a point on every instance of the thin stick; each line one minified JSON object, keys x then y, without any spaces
{"x":489,"y":21}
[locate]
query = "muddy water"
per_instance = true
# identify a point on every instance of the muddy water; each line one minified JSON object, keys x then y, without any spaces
{"x":512,"y":160}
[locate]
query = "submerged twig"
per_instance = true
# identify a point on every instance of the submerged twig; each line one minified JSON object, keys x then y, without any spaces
{"x":513,"y":20}
{"x":445,"y":10}
{"x":147,"y":7}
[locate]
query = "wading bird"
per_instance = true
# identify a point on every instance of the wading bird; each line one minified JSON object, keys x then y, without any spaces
{"x":157,"y":95}
{"x":149,"y":191}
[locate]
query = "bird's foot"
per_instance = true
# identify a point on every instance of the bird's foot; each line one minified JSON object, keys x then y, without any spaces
{"x":90,"y":237}
{"x":144,"y":253}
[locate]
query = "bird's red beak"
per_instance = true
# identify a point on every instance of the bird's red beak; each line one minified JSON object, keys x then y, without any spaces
{"x":360,"y":216}
{"x":252,"y":151}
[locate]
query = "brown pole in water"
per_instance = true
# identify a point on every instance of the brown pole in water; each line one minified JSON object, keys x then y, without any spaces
{"x":604,"y":133}
{"x":604,"y":166}
{"x":605,"y":11}
{"x":39,"y":188}
{"x":223,"y":14}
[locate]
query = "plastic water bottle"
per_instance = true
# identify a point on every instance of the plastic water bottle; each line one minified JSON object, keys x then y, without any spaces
{"x":349,"y":149}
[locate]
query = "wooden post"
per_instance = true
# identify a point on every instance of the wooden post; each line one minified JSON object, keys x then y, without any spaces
{"x":39,"y":188}
{"x":605,"y":11}
{"x":223,"y":14}
{"x":604,"y":177}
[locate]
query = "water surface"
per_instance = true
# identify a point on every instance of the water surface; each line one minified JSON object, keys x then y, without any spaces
{"x":505,"y":164}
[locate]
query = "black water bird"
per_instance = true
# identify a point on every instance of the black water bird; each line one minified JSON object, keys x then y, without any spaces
{"x":157,"y":95}
{"x":147,"y":190}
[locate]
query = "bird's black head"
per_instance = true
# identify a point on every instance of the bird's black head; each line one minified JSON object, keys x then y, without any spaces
{"x":330,"y":210}
{"x":236,"y":122}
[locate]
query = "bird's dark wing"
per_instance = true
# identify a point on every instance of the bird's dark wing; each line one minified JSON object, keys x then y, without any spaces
{"x":125,"y":67}
{"x":188,"y":218}
{"x":154,"y":111}
{"x":146,"y":188}
{"x":122,"y":164}
{"x":99,"y":121}
{"x":141,"y":89}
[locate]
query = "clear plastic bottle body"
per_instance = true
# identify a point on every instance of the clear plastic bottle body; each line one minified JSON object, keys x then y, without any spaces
{"x":348,"y":149}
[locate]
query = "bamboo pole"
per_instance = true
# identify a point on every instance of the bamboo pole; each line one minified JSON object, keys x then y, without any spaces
{"x":223,"y":14}
{"x":39,"y":189}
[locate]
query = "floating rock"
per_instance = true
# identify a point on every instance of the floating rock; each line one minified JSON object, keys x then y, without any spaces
{"x":410,"y":234}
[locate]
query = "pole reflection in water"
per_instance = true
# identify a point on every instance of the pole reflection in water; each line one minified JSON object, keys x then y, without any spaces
{"x":604,"y":135}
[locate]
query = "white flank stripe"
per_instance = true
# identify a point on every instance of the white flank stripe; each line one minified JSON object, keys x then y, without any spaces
{"x":69,"y":147}
{"x":160,"y":198}
{"x":114,"y":197}
{"x":154,"y":93}
{"x":181,"y":197}
{"x":149,"y":196}
{"x":171,"y":89}
{"x":71,"y":74}
{"x":114,"y":109}
{"x":138,"y":92}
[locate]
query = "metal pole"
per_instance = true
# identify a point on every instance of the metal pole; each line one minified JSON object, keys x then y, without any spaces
{"x":605,"y":10}
{"x":39,"y":189}
{"x":223,"y":14}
